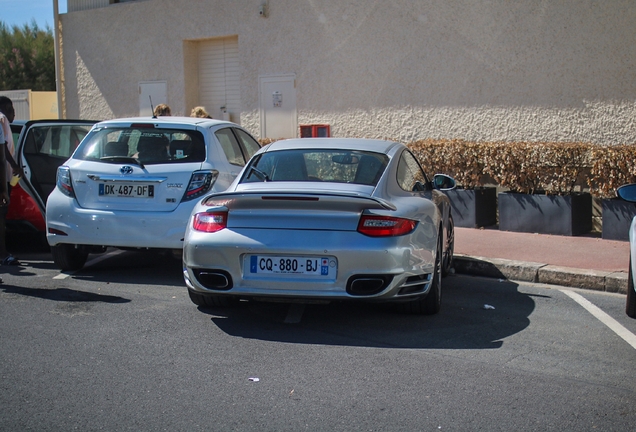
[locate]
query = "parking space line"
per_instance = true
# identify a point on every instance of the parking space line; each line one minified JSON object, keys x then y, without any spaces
{"x":64,"y":275}
{"x":610,"y":322}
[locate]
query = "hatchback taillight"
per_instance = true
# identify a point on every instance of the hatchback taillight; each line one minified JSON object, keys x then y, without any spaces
{"x":385,"y":226}
{"x":210,"y":221}
{"x":64,"y":182}
{"x":200,"y":183}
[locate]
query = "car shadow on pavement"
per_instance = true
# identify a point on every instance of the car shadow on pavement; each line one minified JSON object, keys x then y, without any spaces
{"x":477,"y":313}
{"x":62,"y":294}
{"x":152,"y":267}
{"x":134,"y":267}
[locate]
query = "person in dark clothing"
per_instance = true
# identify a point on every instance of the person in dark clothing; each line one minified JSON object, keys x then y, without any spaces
{"x":9,"y":168}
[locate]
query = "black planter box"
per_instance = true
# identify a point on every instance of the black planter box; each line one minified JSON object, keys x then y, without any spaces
{"x":473,"y":208}
{"x":545,"y":214}
{"x":617,"y":218}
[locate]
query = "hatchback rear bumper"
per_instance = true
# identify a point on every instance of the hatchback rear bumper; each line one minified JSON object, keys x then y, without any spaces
{"x":136,"y":229}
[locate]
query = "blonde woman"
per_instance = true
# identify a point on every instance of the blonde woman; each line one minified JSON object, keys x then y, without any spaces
{"x":200,"y":112}
{"x":162,"y":110}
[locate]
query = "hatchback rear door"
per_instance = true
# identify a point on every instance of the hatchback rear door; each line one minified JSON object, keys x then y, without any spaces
{"x":143,"y":166}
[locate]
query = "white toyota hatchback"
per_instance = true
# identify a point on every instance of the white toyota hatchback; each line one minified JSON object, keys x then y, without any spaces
{"x":132,"y":183}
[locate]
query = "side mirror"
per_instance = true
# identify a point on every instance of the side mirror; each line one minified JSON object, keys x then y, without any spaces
{"x":443,"y":182}
{"x":627,"y":192}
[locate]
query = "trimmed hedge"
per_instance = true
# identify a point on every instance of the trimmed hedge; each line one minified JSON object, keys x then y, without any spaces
{"x":612,"y":166}
{"x":532,"y":167}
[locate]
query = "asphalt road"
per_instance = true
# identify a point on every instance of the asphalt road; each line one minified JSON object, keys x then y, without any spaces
{"x":119,"y":346}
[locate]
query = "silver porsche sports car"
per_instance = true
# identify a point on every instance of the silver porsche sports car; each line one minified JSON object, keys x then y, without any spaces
{"x":323,"y":219}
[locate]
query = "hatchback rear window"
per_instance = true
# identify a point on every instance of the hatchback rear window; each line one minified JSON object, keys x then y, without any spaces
{"x":339,"y":166}
{"x":146,"y":145}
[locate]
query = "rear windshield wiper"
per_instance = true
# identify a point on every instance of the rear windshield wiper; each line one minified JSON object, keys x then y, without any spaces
{"x":122,"y":159}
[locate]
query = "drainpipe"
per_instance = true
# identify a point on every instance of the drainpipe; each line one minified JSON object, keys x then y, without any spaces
{"x":58,"y":79}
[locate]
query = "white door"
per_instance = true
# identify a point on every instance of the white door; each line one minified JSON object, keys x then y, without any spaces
{"x":220,"y":78}
{"x":277,"y":101}
{"x":155,"y":91}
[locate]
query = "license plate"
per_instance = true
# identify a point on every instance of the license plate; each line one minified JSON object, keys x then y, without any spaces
{"x":261,"y":264}
{"x":126,"y":190}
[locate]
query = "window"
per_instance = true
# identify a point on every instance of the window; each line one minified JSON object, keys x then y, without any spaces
{"x":230,"y":146}
{"x":237,"y":145}
{"x":410,"y":176}
{"x":58,"y":141}
{"x":250,"y":145}
{"x":146,"y":145}
{"x":337,"y":166}
{"x":315,"y":131}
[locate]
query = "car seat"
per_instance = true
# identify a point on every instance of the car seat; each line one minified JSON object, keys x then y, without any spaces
{"x":290,"y":167}
{"x":115,"y":148}
{"x":369,"y":170}
{"x":152,"y":148}
{"x":180,"y":149}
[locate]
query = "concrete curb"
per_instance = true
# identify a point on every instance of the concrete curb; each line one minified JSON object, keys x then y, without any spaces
{"x":597,"y":280}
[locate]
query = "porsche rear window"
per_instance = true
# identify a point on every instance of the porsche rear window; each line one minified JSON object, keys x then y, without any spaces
{"x":145,"y":145}
{"x":339,"y":166}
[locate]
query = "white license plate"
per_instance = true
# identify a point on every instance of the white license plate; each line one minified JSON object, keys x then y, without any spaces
{"x":126,"y":190}
{"x":268,"y":264}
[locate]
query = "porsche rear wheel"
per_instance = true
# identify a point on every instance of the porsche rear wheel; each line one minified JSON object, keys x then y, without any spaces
{"x":207,"y":300}
{"x":68,"y":257}
{"x":630,"y":306}
{"x":432,"y":303}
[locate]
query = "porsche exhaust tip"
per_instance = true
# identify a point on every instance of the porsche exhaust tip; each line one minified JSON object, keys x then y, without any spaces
{"x":368,"y":285}
{"x":214,"y":279}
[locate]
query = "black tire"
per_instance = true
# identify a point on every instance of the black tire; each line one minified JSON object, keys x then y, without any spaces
{"x":450,"y":248}
{"x":69,"y":258}
{"x":211,"y":300}
{"x":630,"y":306}
{"x":432,"y":303}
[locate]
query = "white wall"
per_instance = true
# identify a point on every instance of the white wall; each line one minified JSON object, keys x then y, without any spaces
{"x":405,"y":69}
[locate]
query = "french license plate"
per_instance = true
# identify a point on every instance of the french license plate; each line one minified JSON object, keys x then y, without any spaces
{"x":126,"y":190}
{"x":267,"y":264}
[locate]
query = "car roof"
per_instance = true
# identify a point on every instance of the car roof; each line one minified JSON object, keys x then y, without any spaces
{"x":360,"y":144}
{"x":167,"y":120}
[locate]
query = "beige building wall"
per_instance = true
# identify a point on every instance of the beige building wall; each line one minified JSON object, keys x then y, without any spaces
{"x":33,"y":105}
{"x":405,"y":69}
{"x":44,"y":105}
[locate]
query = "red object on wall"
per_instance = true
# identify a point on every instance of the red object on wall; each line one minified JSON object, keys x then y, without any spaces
{"x":315,"y":131}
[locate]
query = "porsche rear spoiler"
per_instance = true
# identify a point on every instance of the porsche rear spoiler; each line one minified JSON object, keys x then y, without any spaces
{"x":350,"y":201}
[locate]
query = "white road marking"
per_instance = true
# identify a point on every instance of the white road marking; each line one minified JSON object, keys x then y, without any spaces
{"x":64,"y":275}
{"x":610,"y":322}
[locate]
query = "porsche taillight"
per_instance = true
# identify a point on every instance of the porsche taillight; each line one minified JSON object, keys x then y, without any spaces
{"x":210,"y":221}
{"x":385,"y":226}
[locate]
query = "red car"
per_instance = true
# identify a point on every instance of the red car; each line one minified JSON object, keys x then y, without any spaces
{"x":40,"y":147}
